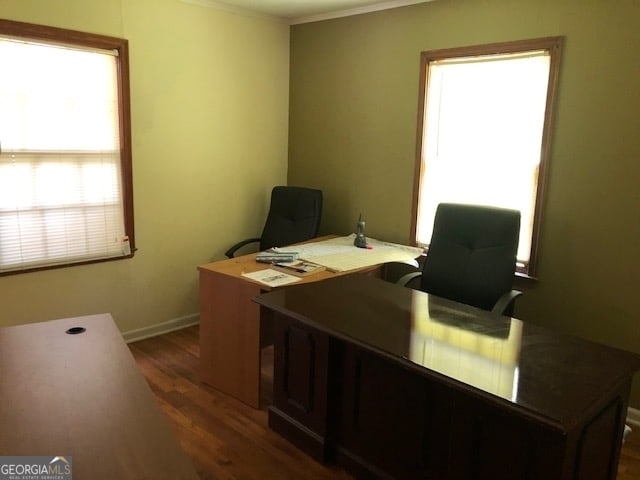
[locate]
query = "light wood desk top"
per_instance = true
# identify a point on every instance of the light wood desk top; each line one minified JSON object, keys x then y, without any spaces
{"x":83,"y":396}
{"x":235,"y":267}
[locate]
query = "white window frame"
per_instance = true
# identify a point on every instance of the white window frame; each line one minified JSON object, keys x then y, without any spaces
{"x":423,"y":211}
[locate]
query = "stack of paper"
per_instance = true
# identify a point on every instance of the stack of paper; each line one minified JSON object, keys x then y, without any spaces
{"x":271,"y":277}
{"x":340,"y":255}
{"x":274,"y":257}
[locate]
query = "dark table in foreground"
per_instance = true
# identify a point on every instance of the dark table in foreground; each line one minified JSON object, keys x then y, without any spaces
{"x":394,"y":383}
{"x":83,"y":396}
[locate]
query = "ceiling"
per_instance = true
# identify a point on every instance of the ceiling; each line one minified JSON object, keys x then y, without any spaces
{"x":301,"y":11}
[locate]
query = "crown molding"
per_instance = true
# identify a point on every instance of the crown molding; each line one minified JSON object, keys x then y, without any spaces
{"x":219,"y":5}
{"x":355,"y":11}
{"x":237,"y":10}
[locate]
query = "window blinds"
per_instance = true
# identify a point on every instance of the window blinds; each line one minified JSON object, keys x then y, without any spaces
{"x":60,"y":182}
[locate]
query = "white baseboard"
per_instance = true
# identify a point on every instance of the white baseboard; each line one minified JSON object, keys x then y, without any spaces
{"x":161,"y":328}
{"x":633,"y":417}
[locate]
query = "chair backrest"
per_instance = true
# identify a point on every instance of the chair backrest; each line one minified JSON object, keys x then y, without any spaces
{"x":472,"y":254}
{"x":294,"y":216}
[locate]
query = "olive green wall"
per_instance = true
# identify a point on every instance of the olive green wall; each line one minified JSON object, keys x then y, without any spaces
{"x":354,"y":100}
{"x":209,"y":101}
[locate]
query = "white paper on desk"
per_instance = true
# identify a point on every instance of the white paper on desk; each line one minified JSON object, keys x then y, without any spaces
{"x":340,"y":255}
{"x":272,"y":277}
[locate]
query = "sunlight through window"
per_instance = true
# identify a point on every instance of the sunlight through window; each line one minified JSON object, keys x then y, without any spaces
{"x":61,"y":182}
{"x":483,"y":125}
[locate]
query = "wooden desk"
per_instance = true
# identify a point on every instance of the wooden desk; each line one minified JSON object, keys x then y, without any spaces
{"x":394,"y":383}
{"x":83,"y":396}
{"x":231,"y":330}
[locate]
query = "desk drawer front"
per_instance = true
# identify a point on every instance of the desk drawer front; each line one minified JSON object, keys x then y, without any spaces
{"x":300,"y":374}
{"x":384,"y":414}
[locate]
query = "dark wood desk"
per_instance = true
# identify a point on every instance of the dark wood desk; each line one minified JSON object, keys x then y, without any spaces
{"x":83,"y":396}
{"x":394,"y":383}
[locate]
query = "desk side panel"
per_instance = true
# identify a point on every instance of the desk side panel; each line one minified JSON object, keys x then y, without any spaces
{"x":230,"y":336}
{"x":600,"y":439}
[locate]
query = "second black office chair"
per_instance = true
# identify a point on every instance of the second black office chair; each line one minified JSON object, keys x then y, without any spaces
{"x":472,"y":256}
{"x":294,"y":216}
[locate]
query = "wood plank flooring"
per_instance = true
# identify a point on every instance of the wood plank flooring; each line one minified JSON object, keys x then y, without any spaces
{"x":224,"y":438}
{"x":228,"y":440}
{"x":629,"y":466}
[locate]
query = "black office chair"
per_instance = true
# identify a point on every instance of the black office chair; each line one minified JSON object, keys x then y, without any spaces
{"x":472,"y":257}
{"x":294,"y":216}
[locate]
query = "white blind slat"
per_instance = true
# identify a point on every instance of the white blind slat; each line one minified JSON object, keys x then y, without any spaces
{"x":60,"y":179}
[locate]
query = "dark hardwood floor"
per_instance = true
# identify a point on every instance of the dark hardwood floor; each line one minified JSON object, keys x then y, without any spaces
{"x":226,"y":439}
{"x":629,"y":466}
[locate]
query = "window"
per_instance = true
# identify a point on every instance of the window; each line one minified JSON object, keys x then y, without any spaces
{"x":65,"y":154}
{"x":484,"y":130}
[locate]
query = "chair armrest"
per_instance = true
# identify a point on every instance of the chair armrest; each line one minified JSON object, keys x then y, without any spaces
{"x":231,"y":252}
{"x":408,"y":278}
{"x":505,"y":302}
